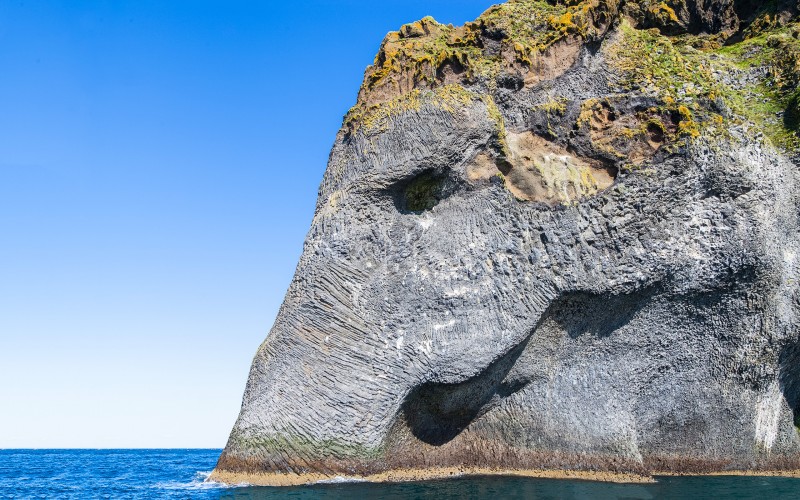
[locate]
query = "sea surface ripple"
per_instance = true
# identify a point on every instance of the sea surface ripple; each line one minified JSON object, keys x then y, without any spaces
{"x":181,"y":474}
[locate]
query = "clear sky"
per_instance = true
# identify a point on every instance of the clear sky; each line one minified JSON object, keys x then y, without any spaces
{"x":159,"y":163}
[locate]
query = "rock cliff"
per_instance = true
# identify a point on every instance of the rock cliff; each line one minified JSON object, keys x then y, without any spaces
{"x":563,"y":236}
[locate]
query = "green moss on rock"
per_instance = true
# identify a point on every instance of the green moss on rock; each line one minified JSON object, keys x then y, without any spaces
{"x":423,"y":193}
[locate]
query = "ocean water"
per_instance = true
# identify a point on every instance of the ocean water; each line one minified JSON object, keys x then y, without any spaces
{"x":181,"y":474}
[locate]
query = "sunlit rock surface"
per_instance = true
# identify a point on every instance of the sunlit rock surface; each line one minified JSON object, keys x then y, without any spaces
{"x":559,"y":237}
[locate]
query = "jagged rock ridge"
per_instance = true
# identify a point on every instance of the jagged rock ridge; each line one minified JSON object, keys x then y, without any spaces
{"x":563,"y":236}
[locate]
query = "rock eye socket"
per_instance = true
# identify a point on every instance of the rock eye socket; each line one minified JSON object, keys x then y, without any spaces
{"x":421,"y":193}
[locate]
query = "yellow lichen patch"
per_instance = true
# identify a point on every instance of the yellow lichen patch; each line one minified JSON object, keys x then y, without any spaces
{"x":450,"y":98}
{"x":596,"y":114}
{"x":499,"y":123}
{"x":378,"y":115}
{"x":522,"y":53}
{"x":542,"y":171}
{"x":687,"y":125}
{"x":526,"y":22}
{"x":563,"y":23}
{"x":663,"y":12}
{"x":557,"y":106}
{"x":588,"y":108}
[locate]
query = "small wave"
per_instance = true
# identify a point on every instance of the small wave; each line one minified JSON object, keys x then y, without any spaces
{"x":341,"y":479}
{"x":200,"y":481}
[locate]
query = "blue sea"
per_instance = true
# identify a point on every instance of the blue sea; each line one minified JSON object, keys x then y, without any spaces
{"x":179,"y":474}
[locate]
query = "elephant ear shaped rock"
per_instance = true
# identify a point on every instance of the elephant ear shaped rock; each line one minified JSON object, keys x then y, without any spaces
{"x":561,"y":237}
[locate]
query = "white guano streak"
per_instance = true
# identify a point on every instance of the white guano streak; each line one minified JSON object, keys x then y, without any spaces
{"x":768,"y":411}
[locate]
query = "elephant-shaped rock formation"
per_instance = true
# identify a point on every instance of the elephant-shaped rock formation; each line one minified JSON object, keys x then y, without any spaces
{"x":561,"y":237}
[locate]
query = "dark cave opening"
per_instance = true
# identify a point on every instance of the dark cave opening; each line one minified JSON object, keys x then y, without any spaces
{"x":422,"y":192}
{"x":435,"y":413}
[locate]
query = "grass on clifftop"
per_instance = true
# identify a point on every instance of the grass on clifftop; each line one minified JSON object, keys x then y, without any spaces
{"x":707,"y":87}
{"x":678,"y":76}
{"x":713,"y":87}
{"x":770,"y":97}
{"x":421,"y":48}
{"x":425,"y":53}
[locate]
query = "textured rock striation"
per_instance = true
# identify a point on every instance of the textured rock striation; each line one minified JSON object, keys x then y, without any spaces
{"x":563,"y":236}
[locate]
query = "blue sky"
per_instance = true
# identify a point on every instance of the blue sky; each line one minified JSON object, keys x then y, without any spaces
{"x":159,"y":163}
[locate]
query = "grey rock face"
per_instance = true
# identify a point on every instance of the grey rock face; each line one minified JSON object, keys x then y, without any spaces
{"x":606,"y":318}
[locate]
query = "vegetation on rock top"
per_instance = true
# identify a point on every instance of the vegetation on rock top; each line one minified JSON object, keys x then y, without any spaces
{"x":670,"y":50}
